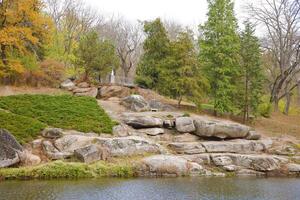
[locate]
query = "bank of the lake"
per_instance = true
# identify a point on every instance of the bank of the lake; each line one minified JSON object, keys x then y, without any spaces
{"x":154,"y":189}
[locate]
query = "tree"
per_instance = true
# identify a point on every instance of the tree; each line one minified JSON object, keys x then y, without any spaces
{"x":181,"y":75}
{"x":252,"y":74}
{"x":219,"y":54}
{"x":156,"y":49}
{"x":96,"y":56}
{"x":281,"y":20}
{"x":24,"y":30}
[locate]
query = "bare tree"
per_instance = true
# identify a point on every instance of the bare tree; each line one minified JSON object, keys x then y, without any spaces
{"x":173,"y":28}
{"x":127,"y":38}
{"x":281,"y":18}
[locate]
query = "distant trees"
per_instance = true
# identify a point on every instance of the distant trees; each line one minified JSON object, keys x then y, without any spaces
{"x":219,"y":54}
{"x":282,"y":43}
{"x":252,"y":77}
{"x":97,"y":57}
{"x":24,"y":30}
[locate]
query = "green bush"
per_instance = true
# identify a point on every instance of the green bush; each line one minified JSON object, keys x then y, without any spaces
{"x":23,"y":128}
{"x":63,"y":111}
{"x":265,"y":109}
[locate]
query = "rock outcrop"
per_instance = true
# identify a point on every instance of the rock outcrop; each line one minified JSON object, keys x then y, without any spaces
{"x":185,"y":125}
{"x":168,"y":165}
{"x":52,"y":133}
{"x":135,"y":103}
{"x":67,"y":84}
{"x":91,"y":154}
{"x":220,"y":129}
{"x":187,"y":147}
{"x":143,"y":122}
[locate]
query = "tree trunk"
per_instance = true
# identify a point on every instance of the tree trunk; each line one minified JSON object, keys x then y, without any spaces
{"x":179,"y":101}
{"x":246,"y":106}
{"x":276,"y":104}
{"x":3,"y":55}
{"x":288,"y":101}
{"x":298,"y":89}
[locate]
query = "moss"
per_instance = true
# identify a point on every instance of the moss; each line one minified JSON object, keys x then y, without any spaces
{"x":61,"y":111}
{"x":60,"y":169}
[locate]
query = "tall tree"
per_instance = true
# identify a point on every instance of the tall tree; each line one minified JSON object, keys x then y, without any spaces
{"x":180,"y":76}
{"x":23,"y":29}
{"x":96,"y":56}
{"x":219,"y":53}
{"x":156,"y":49}
{"x":252,"y":73}
{"x":281,"y":21}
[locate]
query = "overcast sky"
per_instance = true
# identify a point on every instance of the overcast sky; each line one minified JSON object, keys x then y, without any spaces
{"x":187,"y":12}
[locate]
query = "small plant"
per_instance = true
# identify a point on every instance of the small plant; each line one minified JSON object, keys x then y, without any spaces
{"x":265,"y":109}
{"x":186,"y":115}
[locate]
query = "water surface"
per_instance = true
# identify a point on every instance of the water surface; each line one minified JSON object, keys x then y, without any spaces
{"x":154,"y":189}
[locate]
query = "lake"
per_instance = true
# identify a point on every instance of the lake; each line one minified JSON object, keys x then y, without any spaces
{"x":154,"y":189}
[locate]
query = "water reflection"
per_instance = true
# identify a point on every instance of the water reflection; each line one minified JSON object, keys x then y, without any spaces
{"x":154,"y":189}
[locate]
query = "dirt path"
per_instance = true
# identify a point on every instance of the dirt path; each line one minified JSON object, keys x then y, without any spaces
{"x":12,"y":90}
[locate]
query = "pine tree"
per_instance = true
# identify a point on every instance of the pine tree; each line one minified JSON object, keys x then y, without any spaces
{"x":181,"y":75}
{"x":156,"y":49}
{"x":252,"y":73}
{"x":219,"y":54}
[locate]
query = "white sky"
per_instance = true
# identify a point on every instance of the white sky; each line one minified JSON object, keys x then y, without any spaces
{"x":186,"y":12}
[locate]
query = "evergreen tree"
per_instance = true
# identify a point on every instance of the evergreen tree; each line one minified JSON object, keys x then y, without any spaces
{"x":96,"y":56}
{"x":181,"y":75}
{"x":252,"y":73}
{"x":156,"y":49}
{"x":219,"y":54}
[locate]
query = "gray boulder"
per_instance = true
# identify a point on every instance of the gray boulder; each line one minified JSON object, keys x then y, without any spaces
{"x":220,"y":129}
{"x":187,"y":147}
{"x":53,"y":153}
{"x":9,"y":149}
{"x":83,"y":85}
{"x":151,"y":131}
{"x":29,"y":159}
{"x":143,"y":122}
{"x":67,"y":84}
{"x":186,"y":137}
{"x":184,"y":125}
{"x":168,"y":165}
{"x":253,"y":135}
{"x":293,"y":168}
{"x":122,"y":130}
{"x":52,"y":133}
{"x":90,"y":154}
{"x":136,"y":103}
{"x":92,"y":92}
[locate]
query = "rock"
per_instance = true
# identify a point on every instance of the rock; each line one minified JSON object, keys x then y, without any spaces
{"x":8,"y":139}
{"x":117,"y":146}
{"x":187,"y":147}
{"x":81,"y":90}
{"x":29,"y":159}
{"x":136,"y":103}
{"x":67,"y":84}
{"x":294,"y":168}
{"x":106,"y":92}
{"x":93,"y":92}
{"x":253,"y":135}
{"x":143,"y":122}
{"x":122,"y":130}
{"x":249,"y":172}
{"x":203,"y":158}
{"x":236,"y":146}
{"x":219,"y":129}
{"x":9,"y":149}
{"x":286,"y":150}
{"x":262,"y":163}
{"x":167,"y":165}
{"x":54,"y":153}
{"x":52,"y":133}
{"x":36,"y":143}
{"x":129,"y":146}
{"x":169,"y":124}
{"x":8,"y":156}
{"x":152,"y":131}
{"x":221,"y":160}
{"x":83,"y":85}
{"x":186,"y":137}
{"x":157,"y":105}
{"x":184,"y":125}
{"x":89,"y":154}
{"x":230,"y":168}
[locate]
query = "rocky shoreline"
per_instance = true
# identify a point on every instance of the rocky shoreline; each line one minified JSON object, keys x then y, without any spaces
{"x":152,"y":144}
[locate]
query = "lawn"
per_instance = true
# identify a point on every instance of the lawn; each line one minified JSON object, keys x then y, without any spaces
{"x":25,"y":115}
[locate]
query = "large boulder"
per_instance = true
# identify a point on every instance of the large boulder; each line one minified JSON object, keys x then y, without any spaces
{"x":235,"y":146}
{"x":83,"y":85}
{"x":220,"y":129}
{"x":184,"y":124}
{"x":168,"y":165}
{"x":91,"y":154}
{"x":53,"y":153}
{"x":52,"y":133}
{"x":92,"y":92}
{"x":122,"y":130}
{"x":293,"y":168}
{"x":106,"y":92}
{"x":187,"y":147}
{"x":151,"y":131}
{"x":186,"y":137}
{"x":143,"y":122}
{"x":67,"y":84}
{"x":136,"y":103}
{"x":29,"y":159}
{"x":9,"y":149}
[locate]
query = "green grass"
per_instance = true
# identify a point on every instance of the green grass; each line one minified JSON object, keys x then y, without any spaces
{"x":60,"y":169}
{"x":63,"y":111}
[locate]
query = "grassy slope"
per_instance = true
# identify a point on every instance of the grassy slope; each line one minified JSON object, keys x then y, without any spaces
{"x":30,"y":113}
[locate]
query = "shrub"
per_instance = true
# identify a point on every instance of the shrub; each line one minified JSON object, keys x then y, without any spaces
{"x":265,"y":109}
{"x":52,"y":72}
